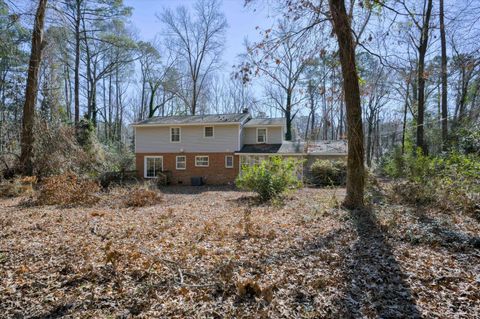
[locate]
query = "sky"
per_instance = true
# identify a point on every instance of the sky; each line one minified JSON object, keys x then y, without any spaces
{"x":242,"y":23}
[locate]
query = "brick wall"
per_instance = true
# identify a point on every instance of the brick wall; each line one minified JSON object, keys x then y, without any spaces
{"x":215,"y":173}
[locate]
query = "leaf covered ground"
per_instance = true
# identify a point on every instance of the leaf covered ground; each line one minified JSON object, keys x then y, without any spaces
{"x":215,"y":253}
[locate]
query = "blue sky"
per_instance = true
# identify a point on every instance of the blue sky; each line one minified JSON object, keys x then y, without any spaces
{"x":242,"y":22}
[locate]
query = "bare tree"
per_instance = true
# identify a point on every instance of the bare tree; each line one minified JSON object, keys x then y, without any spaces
{"x":346,"y":46}
{"x":198,"y":42}
{"x":27,"y":138}
{"x":282,"y":63}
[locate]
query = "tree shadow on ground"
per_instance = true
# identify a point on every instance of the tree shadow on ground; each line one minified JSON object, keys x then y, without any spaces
{"x":376,"y":286}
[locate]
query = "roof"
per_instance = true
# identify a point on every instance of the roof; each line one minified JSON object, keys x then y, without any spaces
{"x":327,"y":147}
{"x":279,"y":121}
{"x":196,"y":119}
{"x":282,"y":149}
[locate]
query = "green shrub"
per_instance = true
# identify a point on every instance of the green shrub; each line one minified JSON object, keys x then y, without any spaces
{"x":451,"y":180}
{"x":327,"y":172}
{"x":271,"y":177}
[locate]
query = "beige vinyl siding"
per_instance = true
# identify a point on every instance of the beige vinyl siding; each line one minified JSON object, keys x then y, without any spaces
{"x":157,"y":139}
{"x":274,"y":134}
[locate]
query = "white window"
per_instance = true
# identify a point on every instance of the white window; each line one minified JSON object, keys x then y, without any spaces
{"x":261,"y":135}
{"x":175,"y":134}
{"x":229,"y":161}
{"x":201,"y":161}
{"x":208,"y":131}
{"x":153,"y":166}
{"x":250,"y":160}
{"x":181,"y":162}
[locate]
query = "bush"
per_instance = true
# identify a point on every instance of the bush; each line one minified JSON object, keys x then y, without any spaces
{"x":412,"y":193}
{"x":57,"y":152}
{"x":451,"y":180}
{"x":141,"y":197}
{"x":18,"y":186}
{"x":327,"y":172}
{"x":271,"y":177}
{"x":68,"y":189}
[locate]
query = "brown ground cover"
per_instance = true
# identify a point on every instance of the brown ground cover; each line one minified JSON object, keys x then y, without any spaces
{"x":215,"y":253}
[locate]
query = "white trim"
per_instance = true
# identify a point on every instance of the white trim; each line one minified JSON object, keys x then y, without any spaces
{"x":176,"y":162}
{"x":145,"y":165}
{"x":233,"y":161}
{"x":179,"y":134}
{"x":266,"y":135}
{"x":208,"y":161}
{"x":213,"y":131}
{"x":135,"y":138}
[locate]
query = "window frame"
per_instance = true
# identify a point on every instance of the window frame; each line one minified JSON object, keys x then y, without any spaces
{"x":226,"y":162}
{"x":179,"y":134}
{"x":145,"y":167}
{"x":176,"y":163}
{"x":208,"y":161}
{"x":266,"y":135}
{"x":213,"y":132}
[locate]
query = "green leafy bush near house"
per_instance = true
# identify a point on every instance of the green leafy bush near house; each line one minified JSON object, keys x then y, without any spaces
{"x":328,"y":173}
{"x":271,"y":178}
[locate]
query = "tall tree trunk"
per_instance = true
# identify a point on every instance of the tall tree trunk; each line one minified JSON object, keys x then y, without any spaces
{"x":76,"y":85}
{"x":26,"y":156}
{"x":193,"y":107}
{"x":444,"y":78}
{"x":355,"y":167}
{"x":405,"y":109}
{"x":340,"y":130}
{"x":369,"y":139}
{"x":422,"y":50}
{"x":288,"y":115}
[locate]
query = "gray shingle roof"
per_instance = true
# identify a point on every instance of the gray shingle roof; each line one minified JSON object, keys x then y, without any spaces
{"x":195,"y":119}
{"x":285,"y":148}
{"x":260,"y":148}
{"x":327,"y":147}
{"x":280,"y":121}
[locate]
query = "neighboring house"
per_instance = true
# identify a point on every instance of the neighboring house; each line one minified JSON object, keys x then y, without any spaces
{"x":212,"y":147}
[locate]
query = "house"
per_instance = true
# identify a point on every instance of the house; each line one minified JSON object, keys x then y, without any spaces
{"x":212,"y":147}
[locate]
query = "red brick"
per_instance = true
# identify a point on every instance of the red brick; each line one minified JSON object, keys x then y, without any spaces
{"x":215,"y":174}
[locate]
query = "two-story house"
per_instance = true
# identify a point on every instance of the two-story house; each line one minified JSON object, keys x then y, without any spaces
{"x":212,"y":147}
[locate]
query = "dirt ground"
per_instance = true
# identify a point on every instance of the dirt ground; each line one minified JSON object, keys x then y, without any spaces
{"x":215,"y":253}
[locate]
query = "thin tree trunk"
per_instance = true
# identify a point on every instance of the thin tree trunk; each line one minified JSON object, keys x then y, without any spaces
{"x":422,"y":50}
{"x":288,"y":115}
{"x":77,"y":64}
{"x":404,"y":127}
{"x":444,"y":106}
{"x":369,"y":140}
{"x":28,"y":121}
{"x":355,"y":167}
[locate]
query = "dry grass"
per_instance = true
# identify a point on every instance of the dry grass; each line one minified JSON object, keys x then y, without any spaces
{"x":202,"y":253}
{"x":67,"y":189}
{"x":141,"y":197}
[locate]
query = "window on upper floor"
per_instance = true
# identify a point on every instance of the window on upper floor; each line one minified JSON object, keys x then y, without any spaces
{"x":175,"y":135}
{"x":261,"y":135}
{"x":208,"y":131}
